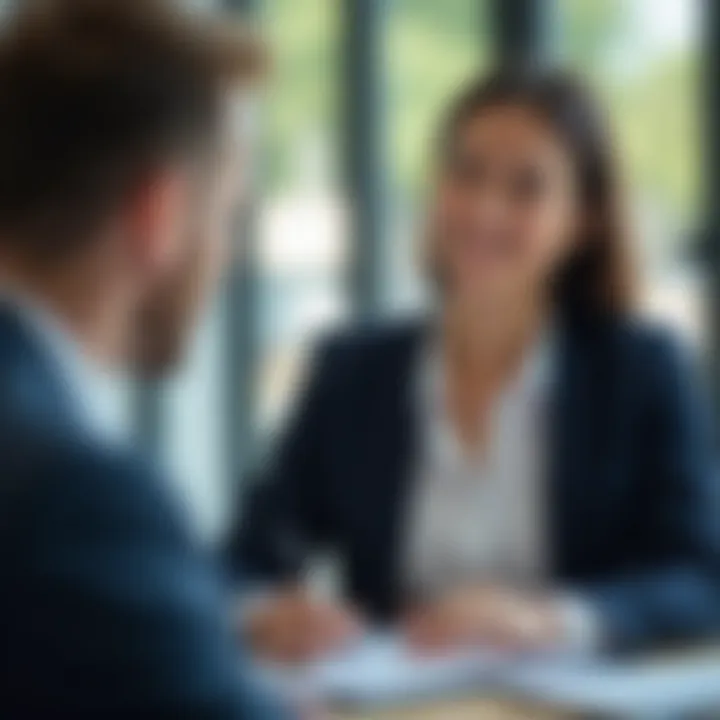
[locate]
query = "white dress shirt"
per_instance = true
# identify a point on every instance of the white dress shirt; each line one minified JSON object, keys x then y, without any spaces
{"x":481,"y":516}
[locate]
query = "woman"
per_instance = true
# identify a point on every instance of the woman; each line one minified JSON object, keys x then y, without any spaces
{"x":528,"y":466}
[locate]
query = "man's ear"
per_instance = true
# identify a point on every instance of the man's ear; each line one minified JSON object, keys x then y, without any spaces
{"x":156,"y":220}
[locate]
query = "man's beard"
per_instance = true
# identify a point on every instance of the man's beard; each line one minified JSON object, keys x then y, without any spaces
{"x":163,"y":326}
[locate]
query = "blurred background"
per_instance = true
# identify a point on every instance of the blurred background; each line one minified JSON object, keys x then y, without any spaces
{"x":334,"y":229}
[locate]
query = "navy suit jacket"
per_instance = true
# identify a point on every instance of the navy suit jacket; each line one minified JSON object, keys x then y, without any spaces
{"x":632,"y":495}
{"x":107,"y":608}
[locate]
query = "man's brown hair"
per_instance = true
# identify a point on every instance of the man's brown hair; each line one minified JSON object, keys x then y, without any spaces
{"x":94,"y":95}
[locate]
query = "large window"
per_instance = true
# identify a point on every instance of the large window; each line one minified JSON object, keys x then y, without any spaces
{"x":433,"y":48}
{"x":303,"y":233}
{"x":191,"y":434}
{"x":643,"y":57}
{"x":302,"y":249}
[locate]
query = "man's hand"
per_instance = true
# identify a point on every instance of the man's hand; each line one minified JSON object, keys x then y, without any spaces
{"x":293,"y":626}
{"x":499,"y":618}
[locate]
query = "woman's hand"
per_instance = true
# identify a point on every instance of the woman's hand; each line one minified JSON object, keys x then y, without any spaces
{"x":293,"y":626}
{"x":485,"y":615}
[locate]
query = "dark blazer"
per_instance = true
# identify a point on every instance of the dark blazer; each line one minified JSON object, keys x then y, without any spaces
{"x":632,"y":502}
{"x":107,"y":608}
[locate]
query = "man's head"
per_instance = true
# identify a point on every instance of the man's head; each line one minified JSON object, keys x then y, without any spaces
{"x":116,"y":156}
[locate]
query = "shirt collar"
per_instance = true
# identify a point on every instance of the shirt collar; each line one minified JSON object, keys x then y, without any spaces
{"x":529,"y":386}
{"x":85,"y":379}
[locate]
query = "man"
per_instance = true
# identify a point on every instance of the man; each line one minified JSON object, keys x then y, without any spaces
{"x":114,"y":199}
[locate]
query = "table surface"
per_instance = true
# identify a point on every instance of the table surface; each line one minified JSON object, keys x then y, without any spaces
{"x":493,"y":708}
{"x":467,"y":709}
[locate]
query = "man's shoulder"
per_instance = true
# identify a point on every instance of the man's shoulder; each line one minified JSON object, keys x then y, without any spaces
{"x":108,"y":584}
{"x":61,"y":481}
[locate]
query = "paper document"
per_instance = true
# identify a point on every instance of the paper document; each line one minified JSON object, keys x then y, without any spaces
{"x":381,"y":670}
{"x":622,"y":689}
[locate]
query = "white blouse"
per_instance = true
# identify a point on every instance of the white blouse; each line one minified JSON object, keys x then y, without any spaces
{"x":482,"y":518}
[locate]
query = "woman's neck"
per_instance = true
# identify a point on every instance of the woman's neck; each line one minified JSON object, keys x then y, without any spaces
{"x":491,"y":344}
{"x":483,"y":353}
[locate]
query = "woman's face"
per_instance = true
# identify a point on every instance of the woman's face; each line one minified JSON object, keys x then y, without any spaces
{"x":506,"y":209}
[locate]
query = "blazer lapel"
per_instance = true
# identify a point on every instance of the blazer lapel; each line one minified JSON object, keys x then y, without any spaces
{"x":571,"y":415}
